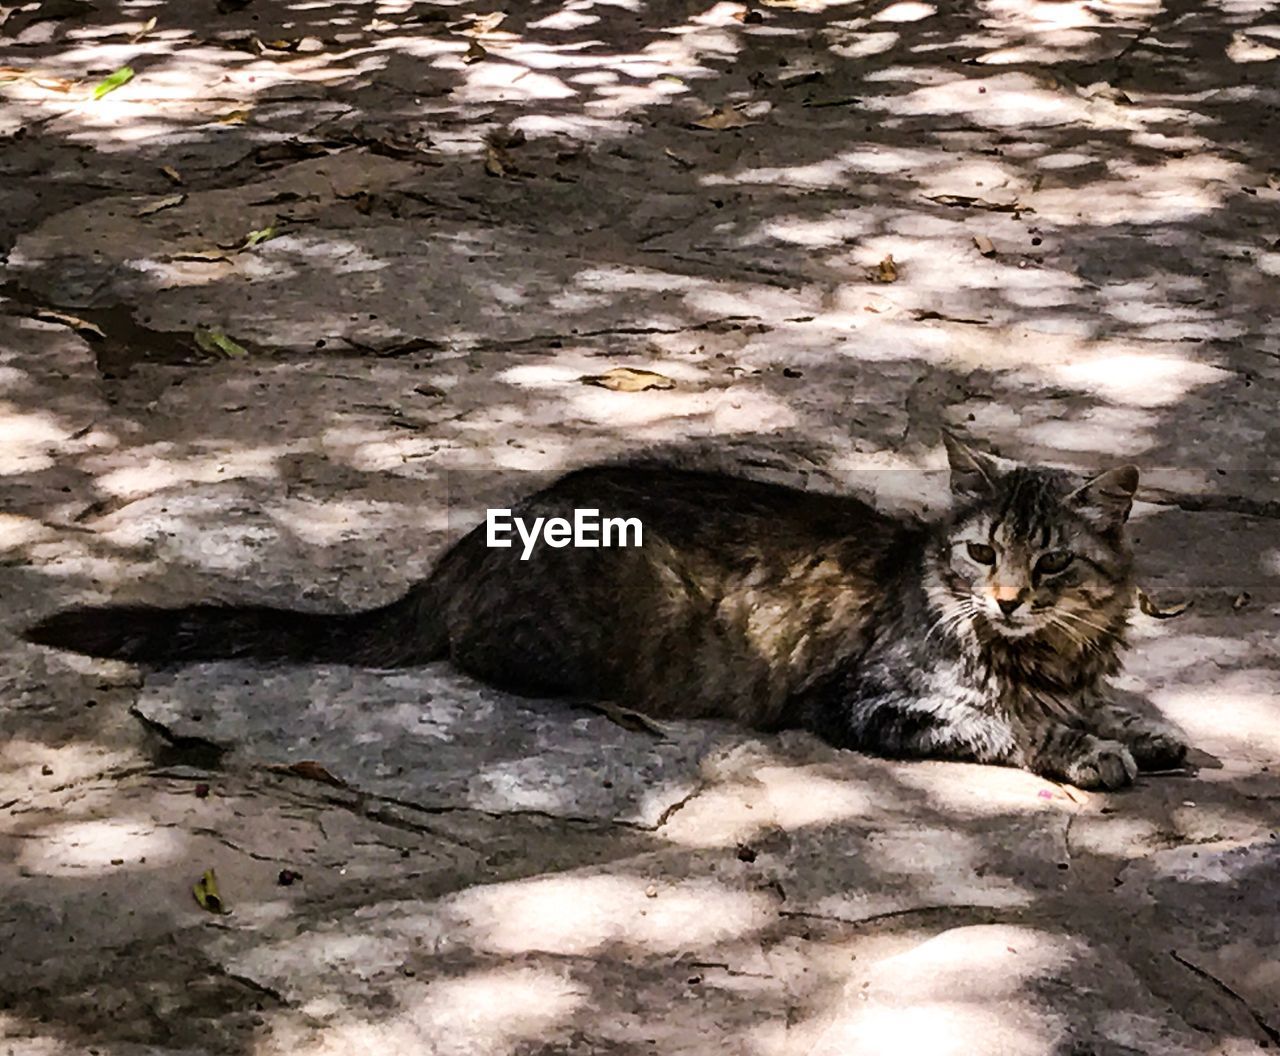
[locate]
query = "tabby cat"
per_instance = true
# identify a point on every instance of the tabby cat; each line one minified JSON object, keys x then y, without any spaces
{"x":985,"y":635}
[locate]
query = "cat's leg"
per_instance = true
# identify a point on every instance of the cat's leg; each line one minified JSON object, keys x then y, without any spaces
{"x":1155,"y":745}
{"x":1054,"y":749}
{"x":902,"y":725}
{"x":1050,"y":748}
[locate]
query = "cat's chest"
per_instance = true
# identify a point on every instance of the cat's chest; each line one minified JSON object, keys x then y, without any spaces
{"x":1026,"y":684}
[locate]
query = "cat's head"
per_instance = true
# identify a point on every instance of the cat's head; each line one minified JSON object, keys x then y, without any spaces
{"x":1030,"y":549}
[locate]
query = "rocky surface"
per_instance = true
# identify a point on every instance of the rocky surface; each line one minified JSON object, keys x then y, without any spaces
{"x":422,"y":225}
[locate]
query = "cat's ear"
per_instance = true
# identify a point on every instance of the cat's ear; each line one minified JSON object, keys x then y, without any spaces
{"x":972,"y":472}
{"x":1105,"y":500}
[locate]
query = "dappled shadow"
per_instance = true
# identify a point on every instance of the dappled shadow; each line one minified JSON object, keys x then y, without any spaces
{"x":1077,"y":204}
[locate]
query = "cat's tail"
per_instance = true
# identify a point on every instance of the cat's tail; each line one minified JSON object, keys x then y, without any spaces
{"x":407,"y":631}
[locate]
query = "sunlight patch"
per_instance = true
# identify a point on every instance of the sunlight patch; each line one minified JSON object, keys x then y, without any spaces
{"x":26,"y":438}
{"x":576,"y":915}
{"x":866,"y":44}
{"x":69,"y":848}
{"x":483,"y":1011}
{"x":1244,"y":49}
{"x":565,"y":20}
{"x":775,"y":797}
{"x":145,"y":472}
{"x":1142,"y":380}
{"x":816,"y":234}
{"x":1236,"y":709}
{"x":905,"y":11}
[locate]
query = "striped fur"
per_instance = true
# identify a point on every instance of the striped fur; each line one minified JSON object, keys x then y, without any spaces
{"x":771,"y":606}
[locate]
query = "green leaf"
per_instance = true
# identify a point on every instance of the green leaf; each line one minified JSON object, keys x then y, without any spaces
{"x":254,"y":237}
{"x":206,"y":892}
{"x":109,"y":84}
{"x":213,"y":340}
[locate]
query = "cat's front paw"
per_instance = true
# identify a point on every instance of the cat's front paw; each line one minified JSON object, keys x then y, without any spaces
{"x":1102,"y":764}
{"x":1158,"y":749}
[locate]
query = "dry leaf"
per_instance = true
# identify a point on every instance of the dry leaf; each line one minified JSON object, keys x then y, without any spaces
{"x":628,"y":379}
{"x":486,"y":23}
{"x":886,"y":270}
{"x":682,"y":163}
{"x":1150,"y":608}
{"x":506,"y":138}
{"x":236,"y":117}
{"x":147,"y":27}
{"x":985,"y":246}
{"x":474,"y":53}
{"x":493,"y":162}
{"x":1241,"y":600}
{"x":164,"y":203}
{"x":173,"y":174}
{"x":10,"y":74}
{"x":798,"y":77}
{"x":81,"y":326}
{"x":1102,"y":90}
{"x":840,"y":100}
{"x":627,"y":718}
{"x":965,"y":201}
{"x":721,"y":119}
{"x":313,"y":771}
{"x":206,"y":892}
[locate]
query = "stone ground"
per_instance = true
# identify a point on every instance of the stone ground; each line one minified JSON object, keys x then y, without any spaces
{"x":463,"y":216}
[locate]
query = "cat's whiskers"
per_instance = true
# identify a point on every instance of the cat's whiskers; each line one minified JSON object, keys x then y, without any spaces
{"x":1082,"y":620}
{"x":1073,"y":635}
{"x":951,"y":619}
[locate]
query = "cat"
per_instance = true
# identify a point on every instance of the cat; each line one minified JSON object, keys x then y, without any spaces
{"x":985,"y":635}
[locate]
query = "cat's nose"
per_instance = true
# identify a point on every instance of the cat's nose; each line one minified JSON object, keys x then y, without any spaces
{"x":1009,"y":605}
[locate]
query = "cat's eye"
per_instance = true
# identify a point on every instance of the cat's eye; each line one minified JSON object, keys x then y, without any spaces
{"x":982,"y":553}
{"x":1055,"y":561}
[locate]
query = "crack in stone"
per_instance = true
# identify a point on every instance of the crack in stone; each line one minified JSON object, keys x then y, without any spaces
{"x":1271,"y":1032}
{"x":729,"y":321}
{"x":215,"y":835}
{"x":892,"y":914}
{"x":676,"y":807}
{"x":596,"y":823}
{"x":252,"y":984}
{"x":360,"y":799}
{"x":196,"y":748}
{"x":735,"y":972}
